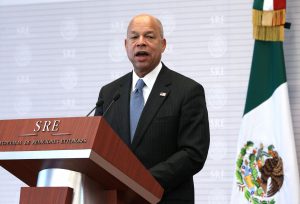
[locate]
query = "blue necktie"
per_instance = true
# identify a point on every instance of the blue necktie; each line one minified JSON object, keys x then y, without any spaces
{"x":136,"y":106}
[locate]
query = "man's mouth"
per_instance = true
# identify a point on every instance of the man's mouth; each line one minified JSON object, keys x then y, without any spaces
{"x":141,"y":54}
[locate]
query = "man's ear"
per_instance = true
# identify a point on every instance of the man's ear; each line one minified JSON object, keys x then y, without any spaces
{"x":164,"y":45}
{"x":125,"y":42}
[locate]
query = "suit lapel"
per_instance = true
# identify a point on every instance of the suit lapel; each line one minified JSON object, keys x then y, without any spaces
{"x":124,"y":90}
{"x":158,"y":95}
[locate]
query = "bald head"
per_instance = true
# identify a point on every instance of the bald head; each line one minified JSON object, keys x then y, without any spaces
{"x":144,"y":18}
{"x":145,"y":43}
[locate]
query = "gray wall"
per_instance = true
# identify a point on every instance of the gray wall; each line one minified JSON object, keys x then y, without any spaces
{"x":55,"y":55}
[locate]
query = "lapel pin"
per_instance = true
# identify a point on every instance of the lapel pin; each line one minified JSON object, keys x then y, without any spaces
{"x":163,"y":94}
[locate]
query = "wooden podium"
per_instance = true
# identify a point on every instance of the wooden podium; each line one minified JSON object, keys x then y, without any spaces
{"x":86,"y":145}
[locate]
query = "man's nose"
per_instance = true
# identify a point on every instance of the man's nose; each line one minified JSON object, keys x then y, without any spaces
{"x":141,"y":41}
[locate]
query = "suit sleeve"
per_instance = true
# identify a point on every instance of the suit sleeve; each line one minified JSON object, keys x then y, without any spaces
{"x":192,"y":139}
{"x":99,"y":109}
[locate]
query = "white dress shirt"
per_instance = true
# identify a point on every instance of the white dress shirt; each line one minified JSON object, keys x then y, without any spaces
{"x":148,"y":79}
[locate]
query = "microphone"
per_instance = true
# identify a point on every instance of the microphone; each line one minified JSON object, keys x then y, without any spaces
{"x":115,"y":98}
{"x":99,"y":103}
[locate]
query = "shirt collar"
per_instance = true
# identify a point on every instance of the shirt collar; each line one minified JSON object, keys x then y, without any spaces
{"x":149,"y":79}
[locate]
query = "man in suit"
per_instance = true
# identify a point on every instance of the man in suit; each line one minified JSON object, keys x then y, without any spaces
{"x":169,"y":134}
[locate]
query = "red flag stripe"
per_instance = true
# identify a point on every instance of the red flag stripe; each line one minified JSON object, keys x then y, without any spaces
{"x":279,"y":4}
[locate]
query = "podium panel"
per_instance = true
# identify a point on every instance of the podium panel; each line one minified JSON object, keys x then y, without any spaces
{"x":87,"y":145}
{"x":46,"y":195}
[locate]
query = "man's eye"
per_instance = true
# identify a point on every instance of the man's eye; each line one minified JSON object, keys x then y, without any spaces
{"x":134,"y":37}
{"x":150,"y":36}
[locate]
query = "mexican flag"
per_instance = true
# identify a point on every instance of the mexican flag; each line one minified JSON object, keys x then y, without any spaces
{"x":266,"y":170}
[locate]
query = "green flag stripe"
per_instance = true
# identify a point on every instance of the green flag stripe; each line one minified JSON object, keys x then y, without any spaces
{"x":258,"y":4}
{"x":267,"y":72}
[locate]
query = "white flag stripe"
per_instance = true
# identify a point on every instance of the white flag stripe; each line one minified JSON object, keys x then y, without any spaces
{"x":268,"y":5}
{"x":270,"y":123}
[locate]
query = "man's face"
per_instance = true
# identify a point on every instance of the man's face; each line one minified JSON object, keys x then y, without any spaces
{"x":144,"y":44}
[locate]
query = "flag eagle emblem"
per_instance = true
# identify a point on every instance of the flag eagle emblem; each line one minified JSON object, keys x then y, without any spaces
{"x":259,"y":172}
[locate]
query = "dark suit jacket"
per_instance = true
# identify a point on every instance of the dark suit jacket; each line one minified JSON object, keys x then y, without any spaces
{"x":172,"y":136}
